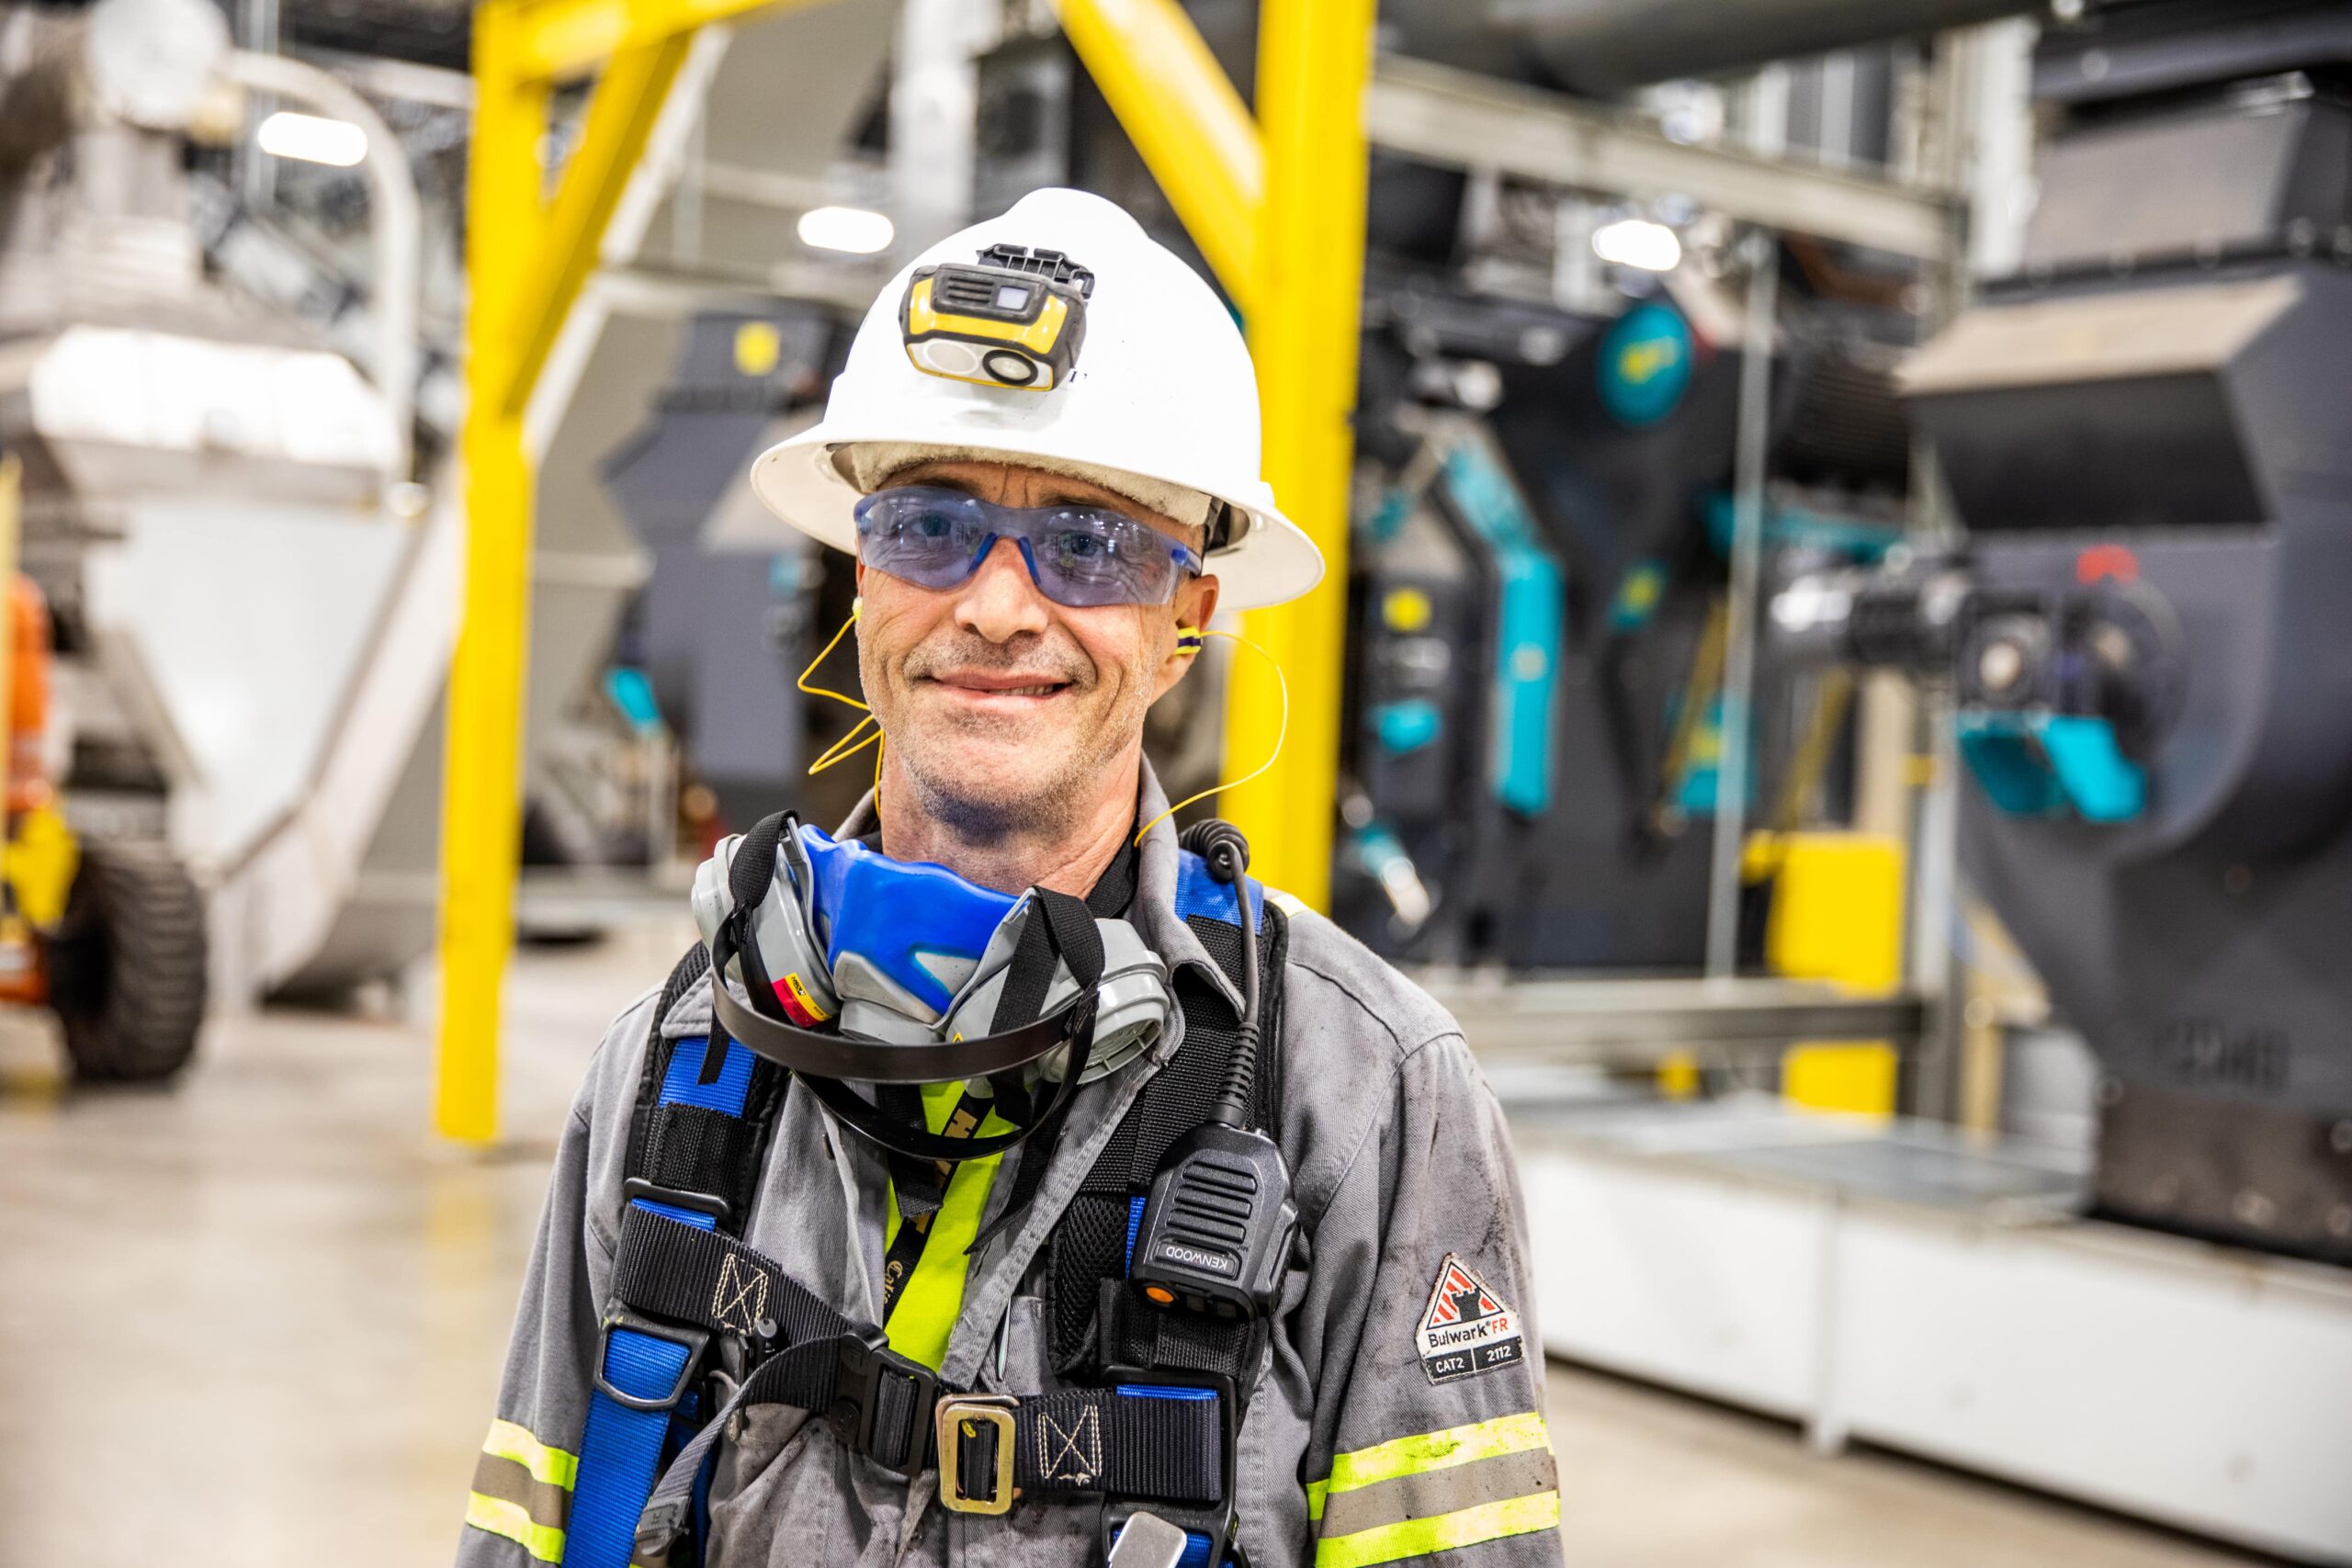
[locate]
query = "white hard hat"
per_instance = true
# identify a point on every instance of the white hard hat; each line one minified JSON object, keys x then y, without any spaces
{"x":1160,"y":404}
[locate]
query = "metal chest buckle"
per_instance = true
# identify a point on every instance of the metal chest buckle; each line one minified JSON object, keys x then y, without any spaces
{"x":959,"y":1419}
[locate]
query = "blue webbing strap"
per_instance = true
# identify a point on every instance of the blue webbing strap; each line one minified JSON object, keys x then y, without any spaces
{"x":620,"y":1451}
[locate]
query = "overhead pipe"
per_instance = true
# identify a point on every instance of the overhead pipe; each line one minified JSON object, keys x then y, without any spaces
{"x":396,"y":225}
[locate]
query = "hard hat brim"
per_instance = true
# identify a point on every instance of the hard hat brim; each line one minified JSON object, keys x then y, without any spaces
{"x":1270,"y":563}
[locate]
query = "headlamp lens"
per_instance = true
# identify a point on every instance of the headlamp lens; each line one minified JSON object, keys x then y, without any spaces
{"x":1080,"y":557}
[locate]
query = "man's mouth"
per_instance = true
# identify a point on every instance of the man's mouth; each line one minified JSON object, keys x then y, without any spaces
{"x":984,"y":683}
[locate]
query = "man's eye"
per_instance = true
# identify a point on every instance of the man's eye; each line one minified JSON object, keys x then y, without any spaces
{"x":927,"y":526}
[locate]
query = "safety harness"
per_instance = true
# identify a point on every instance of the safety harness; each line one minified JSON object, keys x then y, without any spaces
{"x":1159,"y":1395}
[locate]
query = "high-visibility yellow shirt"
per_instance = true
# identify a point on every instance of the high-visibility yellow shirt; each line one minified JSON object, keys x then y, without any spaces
{"x":924,"y":1314}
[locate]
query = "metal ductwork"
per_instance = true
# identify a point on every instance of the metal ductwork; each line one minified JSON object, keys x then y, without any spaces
{"x":1609,"y":46}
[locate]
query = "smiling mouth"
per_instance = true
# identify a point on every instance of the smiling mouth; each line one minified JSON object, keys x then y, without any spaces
{"x":988,"y":688}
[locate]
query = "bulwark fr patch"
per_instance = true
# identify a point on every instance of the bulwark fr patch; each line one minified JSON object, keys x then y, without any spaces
{"x":1467,"y":1328}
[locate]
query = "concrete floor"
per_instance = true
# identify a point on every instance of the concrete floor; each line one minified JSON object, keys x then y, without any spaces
{"x":257,"y":1320}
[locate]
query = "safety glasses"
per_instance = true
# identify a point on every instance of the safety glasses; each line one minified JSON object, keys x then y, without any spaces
{"x":1080,"y":557}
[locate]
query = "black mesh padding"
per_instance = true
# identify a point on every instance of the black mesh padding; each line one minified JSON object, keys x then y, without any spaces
{"x":1089,"y":1245}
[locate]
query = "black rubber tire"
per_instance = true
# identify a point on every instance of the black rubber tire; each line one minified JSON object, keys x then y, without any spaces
{"x":126,"y":964}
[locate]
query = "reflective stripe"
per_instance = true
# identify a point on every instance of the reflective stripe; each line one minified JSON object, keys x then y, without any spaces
{"x":1448,"y":1491}
{"x":553,"y":1466}
{"x":924,"y":1314}
{"x":1436,"y":1491}
{"x":1425,"y":1538}
{"x":1435,"y":1450}
{"x":512,"y":1520}
{"x":505,"y":1479}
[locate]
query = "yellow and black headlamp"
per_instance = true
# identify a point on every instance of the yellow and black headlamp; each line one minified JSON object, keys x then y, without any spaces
{"x":1016,"y":318}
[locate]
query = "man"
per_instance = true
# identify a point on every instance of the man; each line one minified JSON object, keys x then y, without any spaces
{"x":1044,"y":450}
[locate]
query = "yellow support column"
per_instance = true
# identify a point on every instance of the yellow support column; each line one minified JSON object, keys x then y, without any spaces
{"x":482,"y":779}
{"x":1313,"y":60}
{"x":526,"y":260}
{"x":1179,"y":108}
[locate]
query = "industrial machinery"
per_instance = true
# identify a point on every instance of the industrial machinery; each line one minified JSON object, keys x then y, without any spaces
{"x":1537,"y":652}
{"x":108,"y":935}
{"x":721,"y":627}
{"x":2142,"y":631}
{"x":1535,"y":657}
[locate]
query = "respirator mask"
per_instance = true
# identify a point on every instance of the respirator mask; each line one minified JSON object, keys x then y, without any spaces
{"x":862,"y":969}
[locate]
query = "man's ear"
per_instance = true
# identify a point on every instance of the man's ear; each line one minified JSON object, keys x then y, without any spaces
{"x":1196,"y":603}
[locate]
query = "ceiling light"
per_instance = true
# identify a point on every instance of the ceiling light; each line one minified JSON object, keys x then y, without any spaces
{"x":1637,"y":242}
{"x":850,"y":229}
{"x":312,"y":138}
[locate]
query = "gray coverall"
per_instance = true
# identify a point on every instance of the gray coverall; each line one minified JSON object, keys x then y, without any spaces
{"x":1399,"y":1416}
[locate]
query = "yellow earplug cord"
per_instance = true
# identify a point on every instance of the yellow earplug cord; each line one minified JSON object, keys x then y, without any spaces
{"x":848,"y":745}
{"x":1282,"y":731}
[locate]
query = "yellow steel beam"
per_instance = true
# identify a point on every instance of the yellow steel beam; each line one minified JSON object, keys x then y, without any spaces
{"x":1303,"y":313}
{"x":481,"y":798}
{"x":1277,"y":206}
{"x":627,"y":99}
{"x":1180,"y":109}
{"x":561,"y":39}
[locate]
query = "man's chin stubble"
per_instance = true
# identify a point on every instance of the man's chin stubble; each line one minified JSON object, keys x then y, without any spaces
{"x":975,"y":807}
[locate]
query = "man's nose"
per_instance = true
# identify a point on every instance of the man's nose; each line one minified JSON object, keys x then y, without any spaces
{"x":1000,"y":601}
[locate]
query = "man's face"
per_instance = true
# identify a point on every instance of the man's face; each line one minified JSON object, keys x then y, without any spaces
{"x":1003,"y":706}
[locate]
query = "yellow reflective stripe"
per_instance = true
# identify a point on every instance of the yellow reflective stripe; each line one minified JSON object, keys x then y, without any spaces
{"x":1316,"y":1491}
{"x":512,"y":1520}
{"x":1436,"y":1450}
{"x":928,"y":1304}
{"x":1445,"y":1532}
{"x":555,"y":1467}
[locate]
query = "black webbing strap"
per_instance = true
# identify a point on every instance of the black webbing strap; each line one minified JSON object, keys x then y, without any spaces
{"x":920,"y":1188}
{"x":691,"y":967}
{"x":689,"y":1148}
{"x":1162,"y":1445}
{"x":666,"y":1269}
{"x":1071,"y":927}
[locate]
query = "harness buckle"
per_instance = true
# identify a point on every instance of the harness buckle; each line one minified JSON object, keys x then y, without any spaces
{"x":882,"y":1403}
{"x":963,"y":1418}
{"x":695,"y":1341}
{"x":641,"y":1189}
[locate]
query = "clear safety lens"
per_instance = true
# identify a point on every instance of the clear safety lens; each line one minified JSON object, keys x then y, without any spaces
{"x":1081,"y":557}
